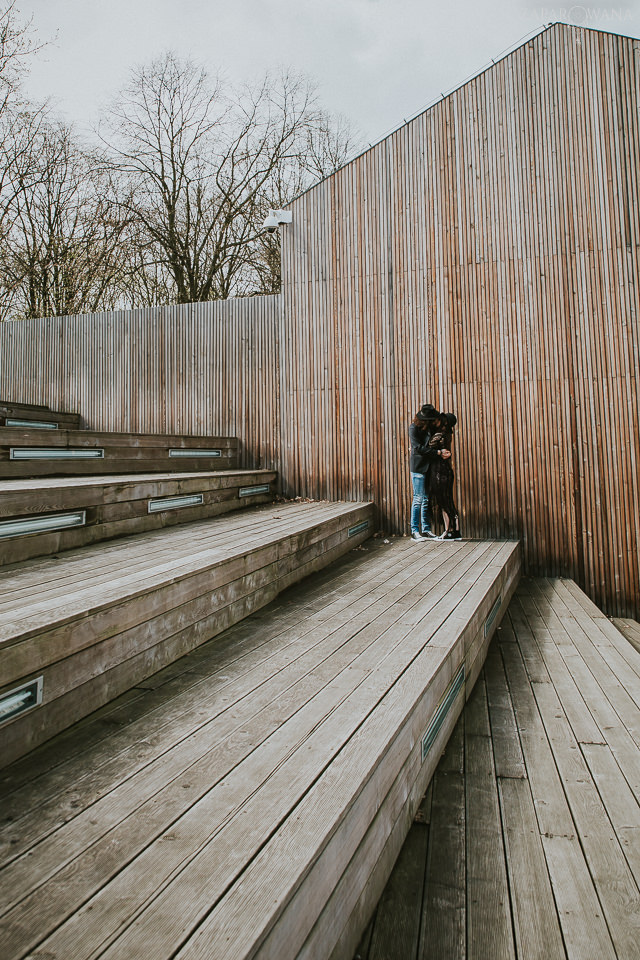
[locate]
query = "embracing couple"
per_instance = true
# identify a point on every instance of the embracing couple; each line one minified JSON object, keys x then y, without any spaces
{"x":430,"y":436}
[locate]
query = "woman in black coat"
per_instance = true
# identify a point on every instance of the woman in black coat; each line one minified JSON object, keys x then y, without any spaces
{"x":440,"y":488}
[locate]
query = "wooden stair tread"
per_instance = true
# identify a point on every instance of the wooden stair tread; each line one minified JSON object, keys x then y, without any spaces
{"x":56,"y":483}
{"x":99,"y":620}
{"x":87,"y":577}
{"x":45,"y":518}
{"x":26,"y":435}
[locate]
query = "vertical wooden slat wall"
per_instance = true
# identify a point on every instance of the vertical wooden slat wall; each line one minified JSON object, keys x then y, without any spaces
{"x":202,"y":369}
{"x":484,"y":257}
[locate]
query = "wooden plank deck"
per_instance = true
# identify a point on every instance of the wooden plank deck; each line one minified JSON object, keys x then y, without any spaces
{"x":235,"y":804}
{"x":117,"y":506}
{"x":527,"y":844}
{"x":95,"y":621}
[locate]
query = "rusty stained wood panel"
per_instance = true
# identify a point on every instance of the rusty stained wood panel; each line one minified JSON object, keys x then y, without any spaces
{"x":484,"y":257}
{"x":203,"y":369}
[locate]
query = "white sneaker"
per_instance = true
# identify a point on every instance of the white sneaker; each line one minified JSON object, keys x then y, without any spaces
{"x":417,"y":536}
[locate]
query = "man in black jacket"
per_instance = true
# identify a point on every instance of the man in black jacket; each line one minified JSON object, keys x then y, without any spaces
{"x":422,"y":456}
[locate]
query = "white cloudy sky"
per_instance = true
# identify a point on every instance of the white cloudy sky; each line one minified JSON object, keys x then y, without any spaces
{"x":376,"y":61}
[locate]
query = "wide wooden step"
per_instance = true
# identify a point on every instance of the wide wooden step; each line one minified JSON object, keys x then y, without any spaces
{"x":43,"y":453}
{"x":32,"y":415}
{"x":77,"y":630}
{"x":238,"y":805}
{"x":44,"y":516}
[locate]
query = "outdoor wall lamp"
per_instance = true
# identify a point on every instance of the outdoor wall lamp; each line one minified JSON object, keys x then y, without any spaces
{"x":275,"y":218}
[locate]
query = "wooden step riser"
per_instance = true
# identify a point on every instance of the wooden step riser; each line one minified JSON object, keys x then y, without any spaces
{"x":339,"y":902}
{"x":87,"y":662}
{"x":137,"y":463}
{"x":33,"y":413}
{"x":121,"y":453}
{"x":120,"y":510}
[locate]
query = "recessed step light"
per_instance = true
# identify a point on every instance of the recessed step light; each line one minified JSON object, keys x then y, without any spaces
{"x":359,"y":527}
{"x":16,"y":701}
{"x":492,"y":615}
{"x":56,"y":453}
{"x":253,"y":491}
{"x":174,"y":503}
{"x":43,"y":523}
{"x":195,"y":453}
{"x":34,"y":424}
{"x":440,"y":715}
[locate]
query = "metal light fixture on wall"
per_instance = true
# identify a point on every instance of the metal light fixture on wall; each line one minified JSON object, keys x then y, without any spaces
{"x":276,"y":218}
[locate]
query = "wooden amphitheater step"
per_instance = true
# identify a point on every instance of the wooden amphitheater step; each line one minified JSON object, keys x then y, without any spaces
{"x":239,"y":806}
{"x":44,"y":516}
{"x":79,"y":629}
{"x":32,"y":415}
{"x":41,"y":453}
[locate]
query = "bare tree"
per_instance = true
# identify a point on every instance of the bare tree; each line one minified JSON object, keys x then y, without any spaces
{"x":62,"y":251}
{"x":18,"y":123}
{"x":173,"y":212}
{"x":16,"y":46}
{"x":202,"y":161}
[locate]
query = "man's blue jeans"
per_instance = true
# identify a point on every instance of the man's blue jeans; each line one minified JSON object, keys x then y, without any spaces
{"x":419,"y":504}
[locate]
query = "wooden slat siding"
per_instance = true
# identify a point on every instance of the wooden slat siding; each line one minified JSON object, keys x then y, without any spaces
{"x":199,"y":369}
{"x":485,"y":257}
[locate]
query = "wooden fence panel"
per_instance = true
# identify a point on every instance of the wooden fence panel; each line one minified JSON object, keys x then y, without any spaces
{"x":204,"y":369}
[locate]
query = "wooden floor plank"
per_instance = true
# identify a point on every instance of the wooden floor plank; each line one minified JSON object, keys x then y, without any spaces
{"x":629,"y":629}
{"x":155,"y":557}
{"x":397,"y":924}
{"x":536,"y":924}
{"x":507,"y":754}
{"x":619,"y":801}
{"x":489,"y":925}
{"x":608,"y":704}
{"x":114,"y":631}
{"x":617,"y":890}
{"x":583,"y":925}
{"x":600,"y":628}
{"x":237,"y":766}
{"x":171,"y":788}
{"x":443,"y":910}
{"x":235,"y":908}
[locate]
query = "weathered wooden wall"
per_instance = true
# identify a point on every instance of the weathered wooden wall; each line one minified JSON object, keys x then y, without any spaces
{"x":485,"y":257}
{"x":206,"y":369}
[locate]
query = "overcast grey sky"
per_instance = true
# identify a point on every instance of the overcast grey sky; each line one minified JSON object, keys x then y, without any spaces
{"x":376,"y":61}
